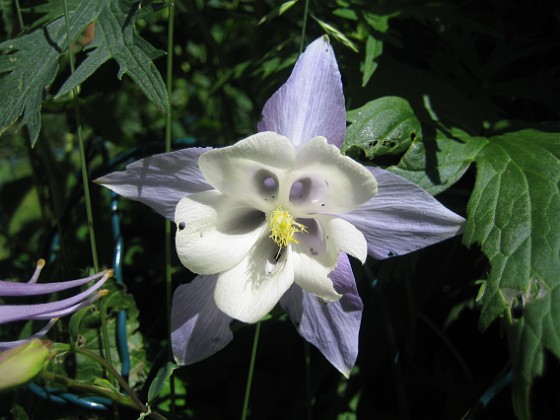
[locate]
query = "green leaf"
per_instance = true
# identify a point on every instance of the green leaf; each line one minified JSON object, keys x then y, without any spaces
{"x":278,"y":11}
{"x":116,"y":38}
{"x":383,"y":126}
{"x":161,"y":380}
{"x":51,"y":10}
{"x":379,"y":23}
{"x":34,"y":65}
{"x":346,"y":14}
{"x":513,"y":214}
{"x":437,"y":160}
{"x":336,"y":34}
{"x":374,"y":49}
{"x":89,"y":337}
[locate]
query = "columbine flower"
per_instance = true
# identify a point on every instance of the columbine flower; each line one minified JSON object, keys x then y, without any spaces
{"x":47,"y":311}
{"x":272,"y":218}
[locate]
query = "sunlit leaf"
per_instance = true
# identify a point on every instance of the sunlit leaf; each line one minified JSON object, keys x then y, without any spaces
{"x":513,"y":214}
{"x":383,"y":126}
{"x":436,"y":160}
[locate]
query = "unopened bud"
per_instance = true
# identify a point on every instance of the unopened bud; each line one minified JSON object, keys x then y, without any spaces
{"x":22,"y":363}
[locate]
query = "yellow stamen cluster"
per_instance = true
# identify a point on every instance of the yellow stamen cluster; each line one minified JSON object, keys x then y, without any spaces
{"x":283,"y":228}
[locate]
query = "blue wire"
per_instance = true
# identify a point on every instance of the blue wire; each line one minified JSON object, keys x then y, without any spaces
{"x":491,"y":392}
{"x":122,"y":339}
{"x":56,"y":396}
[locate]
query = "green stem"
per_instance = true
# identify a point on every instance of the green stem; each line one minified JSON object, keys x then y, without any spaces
{"x":121,"y":381}
{"x":85,"y":182}
{"x":102,"y":392}
{"x":168,"y":134}
{"x":20,"y":16}
{"x":304,"y":25}
{"x":251,"y":370}
{"x":89,"y":389}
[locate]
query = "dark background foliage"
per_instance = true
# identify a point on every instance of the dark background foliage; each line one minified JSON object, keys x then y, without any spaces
{"x":468,"y":69}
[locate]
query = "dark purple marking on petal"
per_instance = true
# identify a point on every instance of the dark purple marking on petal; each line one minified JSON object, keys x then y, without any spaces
{"x":266,"y":184}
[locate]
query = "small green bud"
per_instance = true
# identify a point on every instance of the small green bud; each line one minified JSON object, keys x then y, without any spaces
{"x":22,"y":363}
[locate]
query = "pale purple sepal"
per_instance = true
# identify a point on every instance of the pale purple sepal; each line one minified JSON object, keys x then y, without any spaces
{"x":8,"y":288}
{"x":160,"y":181}
{"x":10,"y":313}
{"x":198,"y":328}
{"x":402,"y":218}
{"x":311,"y":102}
{"x":332,"y":327}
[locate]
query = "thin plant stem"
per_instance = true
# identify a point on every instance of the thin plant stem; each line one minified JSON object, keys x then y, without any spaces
{"x":85,"y":181}
{"x":245,"y":411}
{"x":19,"y":15}
{"x":89,"y":389}
{"x":168,"y":134}
{"x":304,"y":25}
{"x":121,"y":381}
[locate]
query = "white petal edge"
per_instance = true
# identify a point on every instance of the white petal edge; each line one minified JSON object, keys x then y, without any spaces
{"x":234,"y":170}
{"x":311,"y":274}
{"x":215,"y":232}
{"x":338,"y":183}
{"x":344,"y":236}
{"x":249,"y":290}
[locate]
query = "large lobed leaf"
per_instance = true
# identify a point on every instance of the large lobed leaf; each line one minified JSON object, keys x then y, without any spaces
{"x":513,"y":214}
{"x":116,"y":38}
{"x":33,"y":64}
{"x":32,"y":60}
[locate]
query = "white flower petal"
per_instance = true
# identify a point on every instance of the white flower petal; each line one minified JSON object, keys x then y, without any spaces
{"x":249,"y":290}
{"x":311,"y":274}
{"x":243,"y":170}
{"x":324,"y":180}
{"x":215,"y":232}
{"x":311,"y":102}
{"x":344,"y":236}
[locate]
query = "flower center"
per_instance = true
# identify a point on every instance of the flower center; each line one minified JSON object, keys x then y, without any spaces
{"x":283,"y":228}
